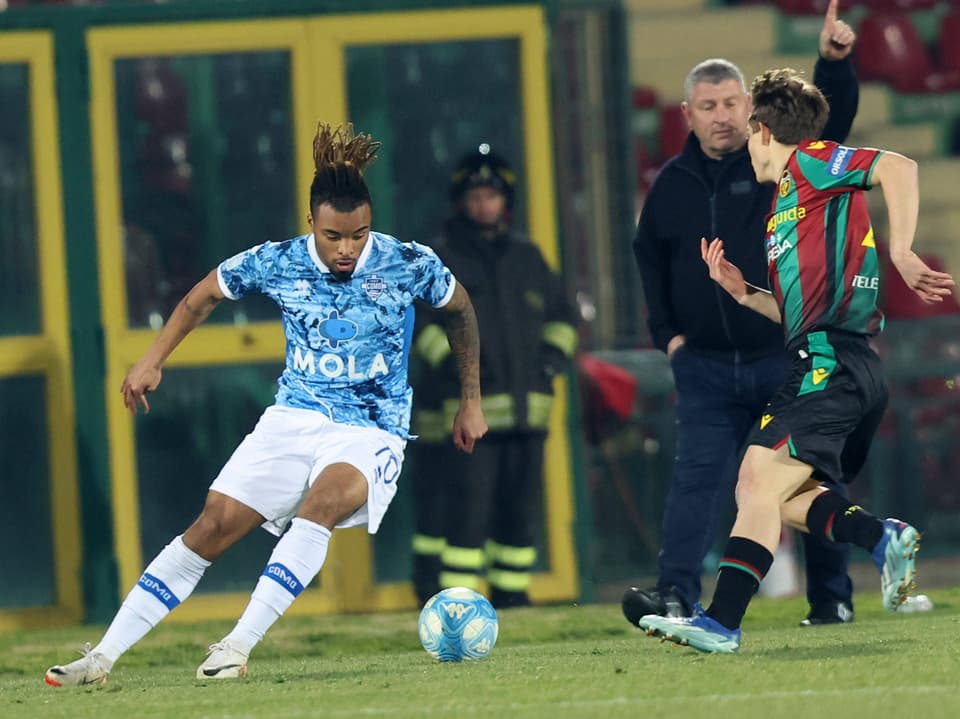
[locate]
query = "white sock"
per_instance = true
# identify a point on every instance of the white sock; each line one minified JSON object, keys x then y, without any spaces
{"x":295,"y":561}
{"x":168,"y":580}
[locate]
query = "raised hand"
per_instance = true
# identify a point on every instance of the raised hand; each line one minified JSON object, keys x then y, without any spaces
{"x":722,"y":271}
{"x":836,"y":37}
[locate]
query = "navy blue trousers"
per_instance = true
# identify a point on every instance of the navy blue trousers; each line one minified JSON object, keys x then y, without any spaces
{"x":717,"y":404}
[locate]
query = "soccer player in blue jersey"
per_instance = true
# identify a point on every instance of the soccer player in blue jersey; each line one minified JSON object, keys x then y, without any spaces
{"x":328,"y":453}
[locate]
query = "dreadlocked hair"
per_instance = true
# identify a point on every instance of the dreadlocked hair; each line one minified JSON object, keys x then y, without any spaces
{"x":791,"y":107}
{"x":339,"y":158}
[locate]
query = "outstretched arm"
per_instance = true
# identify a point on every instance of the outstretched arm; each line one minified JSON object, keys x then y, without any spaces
{"x":897,"y":177}
{"x":193,"y":309}
{"x":464,"y":336}
{"x":728,"y":276}
{"x":834,"y":75}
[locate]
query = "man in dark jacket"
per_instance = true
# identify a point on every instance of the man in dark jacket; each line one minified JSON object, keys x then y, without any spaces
{"x":486,"y":506}
{"x":726,"y":360}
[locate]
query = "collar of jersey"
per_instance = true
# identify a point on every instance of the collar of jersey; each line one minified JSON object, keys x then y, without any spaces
{"x":361,"y":261}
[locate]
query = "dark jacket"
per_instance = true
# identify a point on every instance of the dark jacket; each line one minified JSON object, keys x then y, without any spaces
{"x":692,"y":198}
{"x":526,"y":329}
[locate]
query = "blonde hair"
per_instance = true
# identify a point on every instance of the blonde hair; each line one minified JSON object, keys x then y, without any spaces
{"x":339,"y":145}
{"x":339,"y":158}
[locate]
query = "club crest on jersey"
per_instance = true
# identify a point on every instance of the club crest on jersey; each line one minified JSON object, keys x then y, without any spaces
{"x":786,"y":184}
{"x":374,"y":286}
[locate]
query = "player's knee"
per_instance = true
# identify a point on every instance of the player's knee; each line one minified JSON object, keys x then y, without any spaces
{"x":752,"y":484}
{"x":747,"y":487}
{"x":336,"y":494}
{"x":331,"y":504}
{"x":215,"y":530}
{"x":326,"y":508}
{"x":209,"y":536}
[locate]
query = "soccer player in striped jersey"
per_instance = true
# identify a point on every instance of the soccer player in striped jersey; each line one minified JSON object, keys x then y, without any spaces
{"x":824,"y":277}
{"x":328,"y":453}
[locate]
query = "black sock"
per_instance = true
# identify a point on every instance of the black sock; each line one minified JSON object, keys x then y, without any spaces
{"x":837,"y":519}
{"x":743,"y":565}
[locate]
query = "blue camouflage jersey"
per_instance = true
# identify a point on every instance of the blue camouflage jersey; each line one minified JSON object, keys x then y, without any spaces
{"x":347,"y":340}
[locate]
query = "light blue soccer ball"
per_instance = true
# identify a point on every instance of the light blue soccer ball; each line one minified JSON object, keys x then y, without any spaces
{"x":458,"y":624}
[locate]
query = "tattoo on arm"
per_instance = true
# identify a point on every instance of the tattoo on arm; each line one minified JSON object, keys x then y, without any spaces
{"x":463,"y":334}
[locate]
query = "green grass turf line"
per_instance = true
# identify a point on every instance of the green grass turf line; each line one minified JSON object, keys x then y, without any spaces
{"x":556,"y":662}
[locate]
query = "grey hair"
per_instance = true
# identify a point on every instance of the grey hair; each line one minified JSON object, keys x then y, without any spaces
{"x":714,"y":71}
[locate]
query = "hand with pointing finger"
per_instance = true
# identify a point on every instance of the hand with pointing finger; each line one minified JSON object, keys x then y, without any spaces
{"x":836,"y":37}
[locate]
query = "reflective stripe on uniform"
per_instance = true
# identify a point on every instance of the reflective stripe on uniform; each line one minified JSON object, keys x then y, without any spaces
{"x":561,"y":335}
{"x":518,"y":557}
{"x":422,"y":544}
{"x":432,"y":344}
{"x":538,"y":409}
{"x":498,"y":410}
{"x":430,"y":425}
{"x":509,"y":581}
{"x":469,"y":558}
{"x":461,"y":579}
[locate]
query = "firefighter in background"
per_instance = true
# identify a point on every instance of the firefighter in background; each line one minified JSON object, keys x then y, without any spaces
{"x":477,"y":517}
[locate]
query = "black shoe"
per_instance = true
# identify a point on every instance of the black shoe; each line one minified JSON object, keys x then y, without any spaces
{"x":426,"y":576}
{"x":828,"y":613}
{"x":638,"y":603}
{"x":502,"y":599}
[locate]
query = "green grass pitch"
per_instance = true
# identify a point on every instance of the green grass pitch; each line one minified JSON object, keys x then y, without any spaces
{"x":557,"y":662}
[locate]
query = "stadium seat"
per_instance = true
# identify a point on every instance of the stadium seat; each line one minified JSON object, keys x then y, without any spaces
{"x":161,"y":98}
{"x":900,"y":5}
{"x":164,"y":162}
{"x":673,"y":131}
{"x":644,"y":97}
{"x":899,"y":302}
{"x":810,"y":7}
{"x":949,"y":41}
{"x":890,"y":50}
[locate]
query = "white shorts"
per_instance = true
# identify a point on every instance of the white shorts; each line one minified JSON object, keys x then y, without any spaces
{"x":276,"y":464}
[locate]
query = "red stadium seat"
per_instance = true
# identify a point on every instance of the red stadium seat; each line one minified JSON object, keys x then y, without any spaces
{"x":949,"y":40}
{"x":810,"y":7}
{"x":164,"y":162}
{"x":161,"y":98}
{"x":899,"y":302}
{"x":673,"y":131}
{"x":644,"y":97}
{"x":900,"y":5}
{"x":890,"y":50}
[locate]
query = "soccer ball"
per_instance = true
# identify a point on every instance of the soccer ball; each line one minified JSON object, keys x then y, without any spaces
{"x":458,"y":624}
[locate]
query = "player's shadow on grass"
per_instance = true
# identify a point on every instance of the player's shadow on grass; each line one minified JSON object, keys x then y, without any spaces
{"x":844,"y":650}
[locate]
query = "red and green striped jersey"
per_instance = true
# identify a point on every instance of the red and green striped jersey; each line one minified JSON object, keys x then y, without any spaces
{"x":821,"y":255}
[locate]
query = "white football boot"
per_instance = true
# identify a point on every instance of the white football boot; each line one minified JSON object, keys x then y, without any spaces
{"x":91,"y":668}
{"x":223,"y":662}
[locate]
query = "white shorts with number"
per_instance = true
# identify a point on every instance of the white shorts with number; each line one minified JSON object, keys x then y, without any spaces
{"x":276,"y":464}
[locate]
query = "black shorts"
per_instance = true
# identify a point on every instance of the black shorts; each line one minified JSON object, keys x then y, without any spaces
{"x":830,"y":406}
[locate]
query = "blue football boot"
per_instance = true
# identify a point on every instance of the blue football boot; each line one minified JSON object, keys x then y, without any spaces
{"x":699,"y":631}
{"x":896,"y":557}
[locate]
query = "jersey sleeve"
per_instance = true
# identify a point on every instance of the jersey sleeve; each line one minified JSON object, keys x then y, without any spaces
{"x":243,"y":274}
{"x":838,"y":167}
{"x":432,"y":280}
